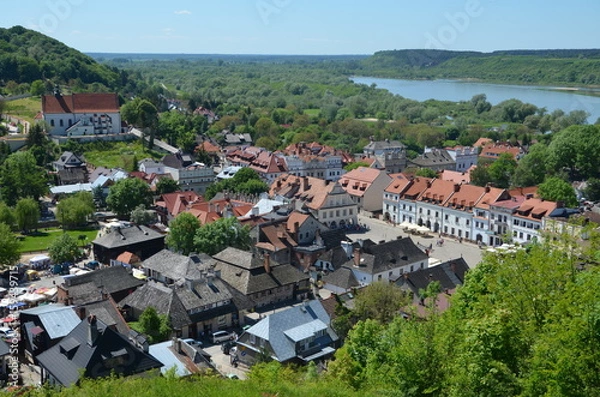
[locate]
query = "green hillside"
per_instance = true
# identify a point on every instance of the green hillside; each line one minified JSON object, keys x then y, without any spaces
{"x":27,"y":56}
{"x":559,"y":67}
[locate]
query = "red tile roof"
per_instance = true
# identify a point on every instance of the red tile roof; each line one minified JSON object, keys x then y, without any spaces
{"x":358,"y":181}
{"x":417,"y":187}
{"x":399,"y":183}
{"x":482,"y":142}
{"x":465,"y":197}
{"x":439,"y":192}
{"x":455,"y":176}
{"x":493,"y":151}
{"x":312,"y":191}
{"x":491,"y":197}
{"x":129,"y":258}
{"x":80,"y":103}
{"x":208,"y":147}
{"x":296,"y":217}
{"x":177,"y":202}
{"x":535,"y":209}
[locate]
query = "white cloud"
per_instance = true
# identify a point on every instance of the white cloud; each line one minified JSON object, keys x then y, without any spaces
{"x":183,"y":12}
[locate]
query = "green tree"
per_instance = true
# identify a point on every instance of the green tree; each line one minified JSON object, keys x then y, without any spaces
{"x":9,"y":247}
{"x":155,"y":326}
{"x":253,"y":186}
{"x":143,"y":114}
{"x":480,"y":175}
{"x":379,"y":301}
{"x":141,"y":216}
{"x":355,"y":165}
{"x":21,"y":177}
{"x":592,"y":191}
{"x":426,"y":172}
{"x":27,"y":214}
{"x":126,"y":194}
{"x":37,"y":88}
{"x":166,"y":185}
{"x":501,"y":171}
{"x":574,"y":149}
{"x":74,"y":211}
{"x":225,"y":232}
{"x":556,"y":189}
{"x":531,"y":169}
{"x":182,"y":230}
{"x":63,"y":249}
{"x":7,"y":215}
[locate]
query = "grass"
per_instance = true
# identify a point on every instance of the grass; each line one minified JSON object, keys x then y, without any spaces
{"x":41,"y":240}
{"x":25,"y":108}
{"x":120,"y":155}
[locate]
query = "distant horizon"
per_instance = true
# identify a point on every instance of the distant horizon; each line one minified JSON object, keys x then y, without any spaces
{"x":289,"y":27}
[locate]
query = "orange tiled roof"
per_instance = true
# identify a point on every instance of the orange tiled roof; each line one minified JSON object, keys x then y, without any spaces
{"x":208,"y":147}
{"x":482,"y":142}
{"x":535,"y":209}
{"x":418,"y":185}
{"x":493,"y":150}
{"x":129,"y":258}
{"x":492,"y":196}
{"x":439,"y":191}
{"x":455,"y":176}
{"x":398,"y":184}
{"x":312,"y":191}
{"x":466,"y":196}
{"x":177,"y":202}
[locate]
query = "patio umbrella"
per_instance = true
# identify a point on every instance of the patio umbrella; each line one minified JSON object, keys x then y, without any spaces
{"x":423,"y":229}
{"x":405,"y":225}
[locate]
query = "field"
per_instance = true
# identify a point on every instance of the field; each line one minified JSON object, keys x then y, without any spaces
{"x":119,"y":155}
{"x":42,"y":240}
{"x":25,"y":108}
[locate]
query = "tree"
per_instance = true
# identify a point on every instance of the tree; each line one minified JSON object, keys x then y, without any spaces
{"x":379,"y":301}
{"x":143,"y":114}
{"x":480,"y":175}
{"x":574,"y":149}
{"x":37,"y":88}
{"x":531,"y":169}
{"x":21,"y":177}
{"x":501,"y":171}
{"x":556,"y":189}
{"x":63,"y":249}
{"x":592,"y":191}
{"x":9,"y":247}
{"x":426,"y":172}
{"x":253,"y":186}
{"x":74,"y":211}
{"x":166,"y":185}
{"x":7,"y":215}
{"x":126,"y":194}
{"x":355,"y":165}
{"x":225,"y":232}
{"x":155,"y":326}
{"x":141,"y":216}
{"x":27,"y":213}
{"x":182,"y":230}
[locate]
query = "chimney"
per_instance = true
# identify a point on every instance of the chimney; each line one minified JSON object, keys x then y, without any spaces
{"x":296,"y":228}
{"x":305,"y":183}
{"x":267,"y":263}
{"x":487,"y":188}
{"x":357,"y":257}
{"x":80,"y":312}
{"x":278,"y":183}
{"x":92,"y":330}
{"x":456,"y":187}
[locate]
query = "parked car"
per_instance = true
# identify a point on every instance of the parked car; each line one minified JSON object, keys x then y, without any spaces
{"x":6,"y":333}
{"x":193,"y":342}
{"x":221,"y":336}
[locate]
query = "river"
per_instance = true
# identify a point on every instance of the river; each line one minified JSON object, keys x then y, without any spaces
{"x":551,"y":98}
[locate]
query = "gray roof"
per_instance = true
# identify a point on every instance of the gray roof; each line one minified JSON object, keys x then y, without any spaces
{"x":384,"y":145}
{"x":177,"y":266}
{"x":57,"y":320}
{"x":388,"y":256}
{"x":125,"y":236}
{"x":4,"y":348}
{"x":66,"y":158}
{"x":163,"y":352}
{"x":449,"y":274}
{"x":283,"y":329}
{"x":109,"y":353}
{"x":342,"y":278}
{"x":112,"y":279}
{"x":107,"y":312}
{"x":434,"y":158}
{"x":245,"y":272}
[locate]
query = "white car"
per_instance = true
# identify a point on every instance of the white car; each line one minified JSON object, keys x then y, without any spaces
{"x":6,"y":333}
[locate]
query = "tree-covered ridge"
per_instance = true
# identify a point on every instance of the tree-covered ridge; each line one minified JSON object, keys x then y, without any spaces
{"x":27,"y":56}
{"x":565,"y":67}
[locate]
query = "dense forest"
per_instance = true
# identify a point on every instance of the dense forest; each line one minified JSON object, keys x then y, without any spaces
{"x":525,"y":323}
{"x":546,"y":67}
{"x":33,"y":62}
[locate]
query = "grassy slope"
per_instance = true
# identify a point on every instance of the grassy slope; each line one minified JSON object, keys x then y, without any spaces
{"x":25,"y":108}
{"x":121,"y":155}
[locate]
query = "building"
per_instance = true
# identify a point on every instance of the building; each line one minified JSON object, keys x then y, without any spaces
{"x":316,"y":160}
{"x":391,"y":196}
{"x":297,"y":335}
{"x":259,"y":278}
{"x":82,"y":114}
{"x":327,"y":201}
{"x":172,"y":204}
{"x":458,"y":212}
{"x":464,"y":156}
{"x":388,"y":155}
{"x":482,"y":220}
{"x":94,"y":350}
{"x":434,"y":159}
{"x":191,"y":175}
{"x":151,"y":166}
{"x":528,"y":219}
{"x":492,"y":151}
{"x":139,"y":240}
{"x":269,"y":165}
{"x":407,"y":199}
{"x":386,"y":261}
{"x":430,"y":204}
{"x":366,"y":186}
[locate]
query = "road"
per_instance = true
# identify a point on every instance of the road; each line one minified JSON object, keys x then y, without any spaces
{"x":452,"y":249}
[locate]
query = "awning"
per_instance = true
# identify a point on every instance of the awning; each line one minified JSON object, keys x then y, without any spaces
{"x":323,"y":352}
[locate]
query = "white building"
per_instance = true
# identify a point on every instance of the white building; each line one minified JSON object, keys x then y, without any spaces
{"x":465,"y":157}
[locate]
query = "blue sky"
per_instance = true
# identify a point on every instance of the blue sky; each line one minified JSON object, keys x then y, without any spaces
{"x":308,"y":26}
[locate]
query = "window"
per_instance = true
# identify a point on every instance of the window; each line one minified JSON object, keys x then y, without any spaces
{"x":52,"y":123}
{"x":350,"y":211}
{"x":468,"y":222}
{"x":420,"y":210}
{"x":436,"y":214}
{"x":445,"y":229}
{"x":520,"y":235}
{"x":61,"y":122}
{"x":456,"y":219}
{"x":467,"y":235}
{"x":428,"y":212}
{"x":446,"y":217}
{"x":452,"y":231}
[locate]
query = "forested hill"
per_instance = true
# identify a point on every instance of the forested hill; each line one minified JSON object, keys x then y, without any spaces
{"x":27,"y":56}
{"x":564,"y":67}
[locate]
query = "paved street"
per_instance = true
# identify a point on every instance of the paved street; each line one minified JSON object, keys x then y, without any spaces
{"x":451,"y":249}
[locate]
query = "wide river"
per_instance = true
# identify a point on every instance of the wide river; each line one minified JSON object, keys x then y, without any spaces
{"x":455,"y":90}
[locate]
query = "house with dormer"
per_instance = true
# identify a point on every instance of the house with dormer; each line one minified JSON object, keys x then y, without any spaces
{"x":431,"y":202}
{"x":386,"y":261}
{"x":458,"y":211}
{"x":327,"y":201}
{"x":366,"y":186}
{"x":94,"y":350}
{"x":386,"y":155}
{"x":434,"y":159}
{"x":407,"y":199}
{"x":482,"y":219}
{"x":528,"y":219}
{"x":297,"y":335}
{"x":391,"y":197}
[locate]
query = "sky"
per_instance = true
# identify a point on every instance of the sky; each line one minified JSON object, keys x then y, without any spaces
{"x":324,"y":27}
